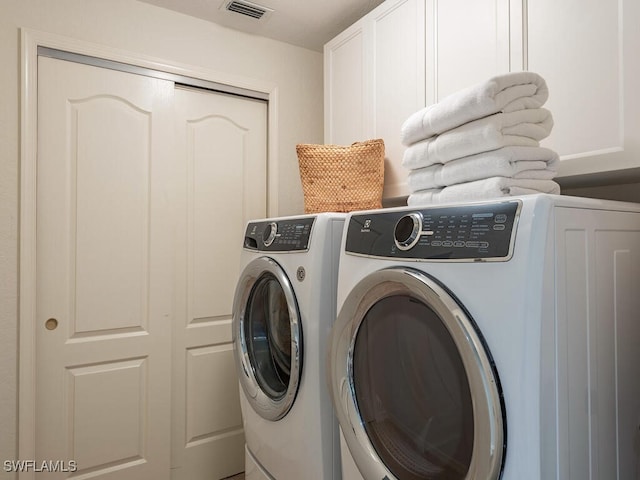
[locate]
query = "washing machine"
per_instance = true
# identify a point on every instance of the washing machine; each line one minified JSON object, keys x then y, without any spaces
{"x":283,"y":310}
{"x":493,"y":340}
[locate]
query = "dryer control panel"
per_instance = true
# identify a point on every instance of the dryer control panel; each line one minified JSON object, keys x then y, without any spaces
{"x":472,"y":232}
{"x":287,"y":235}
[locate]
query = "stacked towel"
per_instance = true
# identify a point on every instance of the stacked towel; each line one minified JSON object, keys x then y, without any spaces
{"x":504,"y":93}
{"x":488,"y":131}
{"x":511,"y":162}
{"x":492,"y":187}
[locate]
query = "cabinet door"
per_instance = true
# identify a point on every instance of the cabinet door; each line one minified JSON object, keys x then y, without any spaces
{"x":585,"y":51}
{"x":396,"y":34}
{"x":375,"y":79}
{"x":467,"y":43}
{"x":345,"y":92}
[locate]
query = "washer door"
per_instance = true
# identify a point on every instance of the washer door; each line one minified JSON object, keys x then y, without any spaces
{"x":267,"y":338}
{"x":413,"y":384}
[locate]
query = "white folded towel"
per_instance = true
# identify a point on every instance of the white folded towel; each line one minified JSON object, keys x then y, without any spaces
{"x":483,"y":189}
{"x":503,"y":93}
{"x":514,"y":162}
{"x":519,"y":128}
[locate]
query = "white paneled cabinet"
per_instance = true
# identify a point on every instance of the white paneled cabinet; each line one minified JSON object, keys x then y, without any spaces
{"x":374,"y":79}
{"x":345,"y":89}
{"x":467,"y":42}
{"x":407,"y":54}
{"x":587,"y":52}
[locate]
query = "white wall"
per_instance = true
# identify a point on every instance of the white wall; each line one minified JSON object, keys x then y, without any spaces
{"x":151,"y":31}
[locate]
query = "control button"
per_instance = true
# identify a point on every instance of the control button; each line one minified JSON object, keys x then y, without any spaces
{"x":472,"y":244}
{"x":447,"y":243}
{"x":500,"y":218}
{"x":499,"y":226}
{"x":458,"y":244}
{"x":484,"y":244}
{"x":407,"y":231}
{"x":269,"y":233}
{"x":436,"y":243}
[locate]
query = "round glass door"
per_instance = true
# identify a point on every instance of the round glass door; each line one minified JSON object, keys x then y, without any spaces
{"x":267,"y":338}
{"x":412,"y":383}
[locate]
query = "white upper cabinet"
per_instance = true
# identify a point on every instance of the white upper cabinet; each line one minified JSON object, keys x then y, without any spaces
{"x":587,"y":52}
{"x":344,"y":86}
{"x":407,"y":54}
{"x":375,"y":79}
{"x":467,"y":42}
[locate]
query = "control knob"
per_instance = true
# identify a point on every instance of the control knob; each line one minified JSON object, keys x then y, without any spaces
{"x":407,"y":231}
{"x":269,"y":233}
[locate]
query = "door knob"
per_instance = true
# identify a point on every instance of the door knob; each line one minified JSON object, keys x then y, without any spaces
{"x":51,"y":324}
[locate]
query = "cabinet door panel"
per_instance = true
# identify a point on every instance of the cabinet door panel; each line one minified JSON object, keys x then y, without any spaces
{"x":399,"y":80}
{"x":345,"y":89}
{"x":586,"y":52}
{"x":583,"y":73}
{"x":467,"y":42}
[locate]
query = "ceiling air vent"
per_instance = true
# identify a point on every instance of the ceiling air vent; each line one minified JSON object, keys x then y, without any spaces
{"x":248,"y":9}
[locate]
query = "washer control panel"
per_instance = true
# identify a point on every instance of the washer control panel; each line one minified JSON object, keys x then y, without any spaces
{"x":457,"y":233}
{"x":279,"y":235}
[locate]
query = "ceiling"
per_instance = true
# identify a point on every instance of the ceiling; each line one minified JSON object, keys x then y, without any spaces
{"x":305,"y":23}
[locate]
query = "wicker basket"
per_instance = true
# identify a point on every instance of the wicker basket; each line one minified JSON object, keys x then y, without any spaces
{"x":339,"y":178}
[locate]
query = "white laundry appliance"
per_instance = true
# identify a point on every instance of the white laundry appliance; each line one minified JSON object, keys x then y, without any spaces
{"x":496,"y":340}
{"x":283,"y":310}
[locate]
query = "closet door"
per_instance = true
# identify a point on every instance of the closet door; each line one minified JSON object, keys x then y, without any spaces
{"x":222,"y":158}
{"x":104,"y":272}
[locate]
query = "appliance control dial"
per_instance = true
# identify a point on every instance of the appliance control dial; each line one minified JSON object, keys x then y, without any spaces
{"x":407,"y":231}
{"x":269,"y":233}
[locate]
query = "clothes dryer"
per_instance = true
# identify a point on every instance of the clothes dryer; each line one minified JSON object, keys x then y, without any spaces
{"x":485,"y":341}
{"x":283,"y":310}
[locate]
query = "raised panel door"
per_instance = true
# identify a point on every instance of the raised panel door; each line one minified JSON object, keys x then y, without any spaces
{"x":222,"y":183}
{"x":103,"y":269}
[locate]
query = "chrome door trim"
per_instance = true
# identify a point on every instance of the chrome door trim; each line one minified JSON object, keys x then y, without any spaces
{"x":265,"y":406}
{"x":489,"y":434}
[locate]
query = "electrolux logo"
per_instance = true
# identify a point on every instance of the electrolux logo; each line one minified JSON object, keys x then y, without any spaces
{"x":22,"y":466}
{"x":366,"y":227}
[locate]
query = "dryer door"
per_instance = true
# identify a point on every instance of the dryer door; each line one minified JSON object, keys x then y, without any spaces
{"x":267,"y":338}
{"x":413,"y":384}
